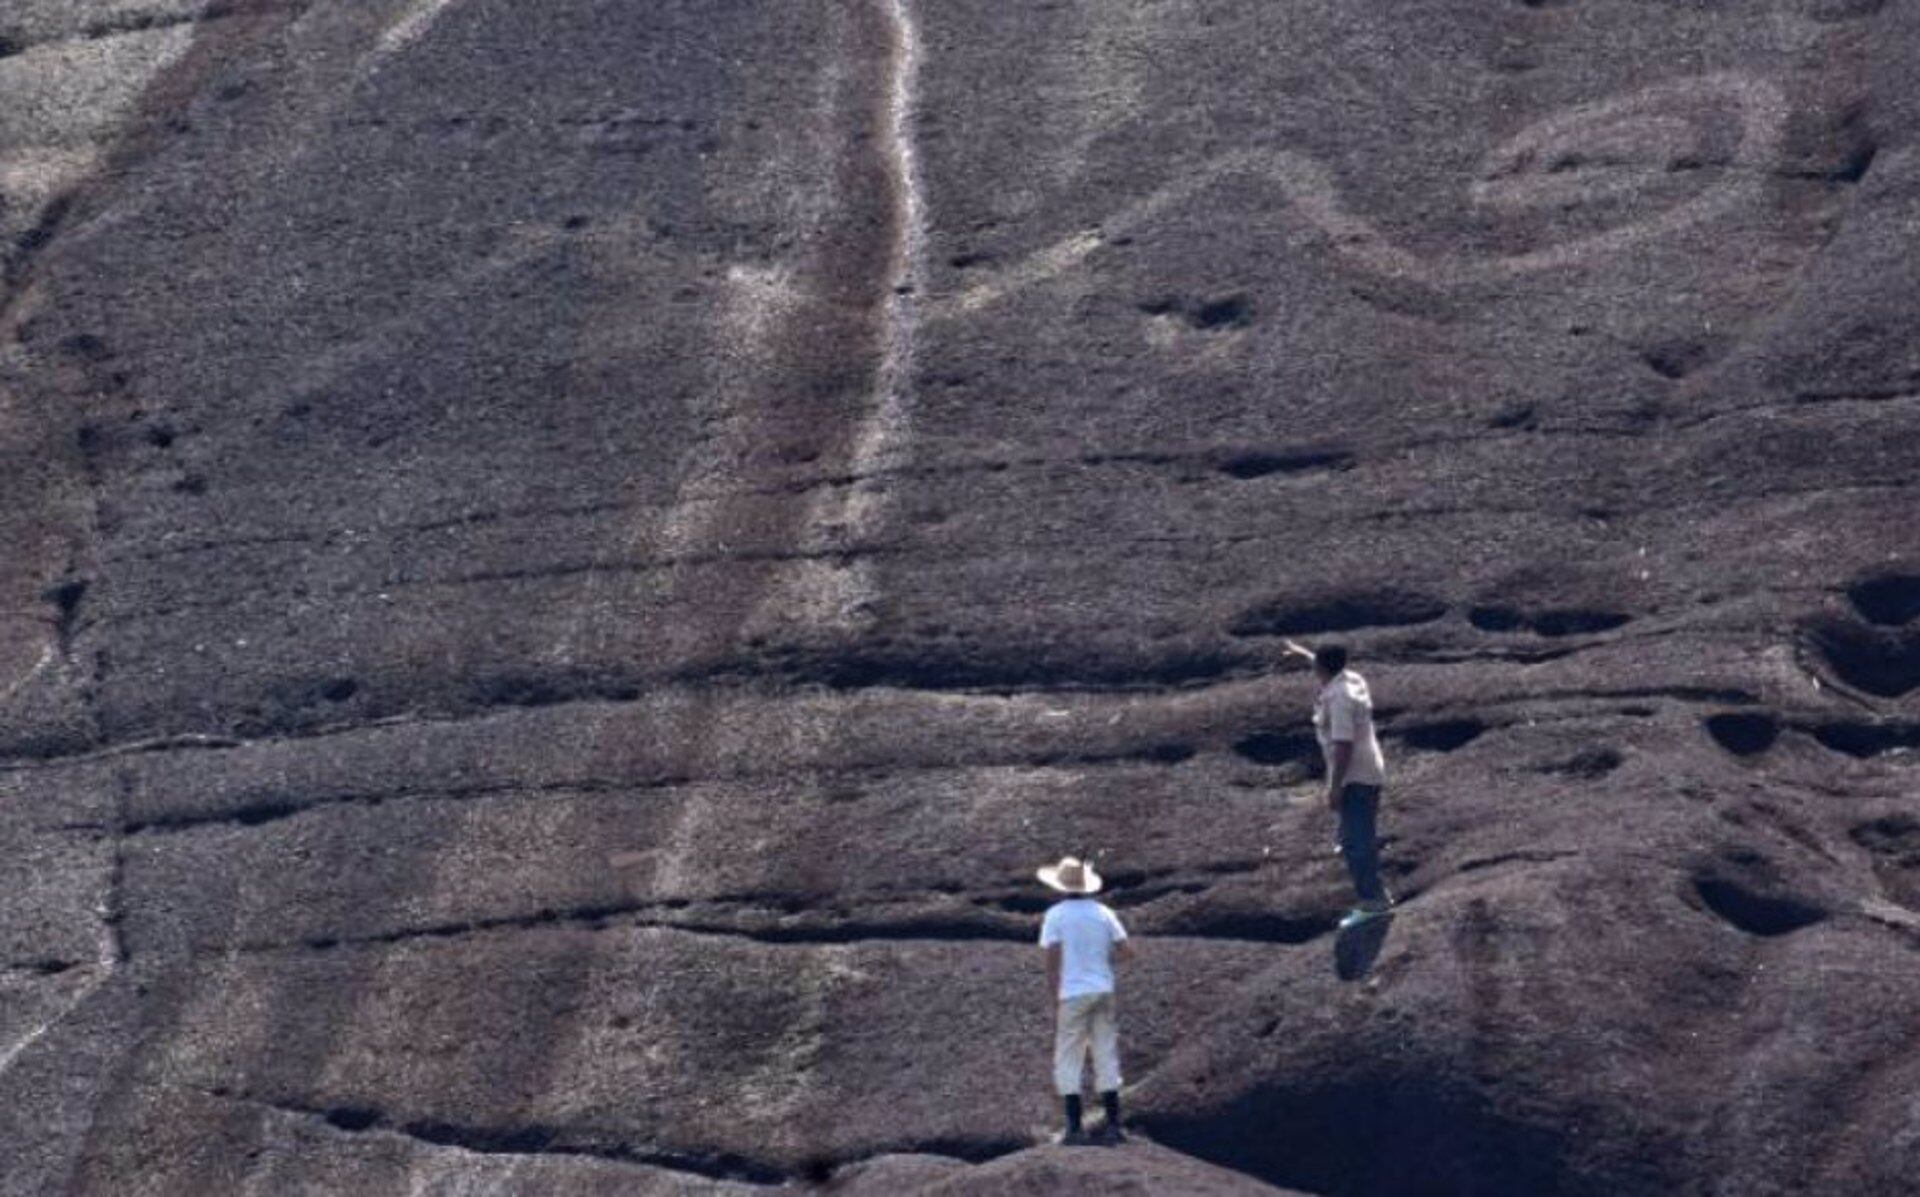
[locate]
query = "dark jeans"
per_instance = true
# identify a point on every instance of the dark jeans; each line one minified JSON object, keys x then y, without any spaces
{"x":1359,"y":814}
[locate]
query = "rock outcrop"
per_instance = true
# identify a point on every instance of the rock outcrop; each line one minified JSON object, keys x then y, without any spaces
{"x":565,"y":561}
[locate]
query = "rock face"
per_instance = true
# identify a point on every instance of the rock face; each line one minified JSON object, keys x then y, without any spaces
{"x":565,"y":561}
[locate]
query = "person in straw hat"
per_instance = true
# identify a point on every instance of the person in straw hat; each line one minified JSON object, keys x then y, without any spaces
{"x":1083,"y":938}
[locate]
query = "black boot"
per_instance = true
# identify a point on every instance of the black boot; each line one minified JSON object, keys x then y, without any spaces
{"x":1074,"y":1136}
{"x":1111,"y":1134}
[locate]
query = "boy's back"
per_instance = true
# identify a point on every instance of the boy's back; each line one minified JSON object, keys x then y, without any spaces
{"x":1086,"y":931}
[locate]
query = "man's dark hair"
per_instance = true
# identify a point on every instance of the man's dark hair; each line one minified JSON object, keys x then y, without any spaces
{"x":1330,"y":658}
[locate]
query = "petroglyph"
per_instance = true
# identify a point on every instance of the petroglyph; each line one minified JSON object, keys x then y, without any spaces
{"x":49,"y":653}
{"x":413,"y":23}
{"x":839,"y":595}
{"x":62,"y":106}
{"x":85,"y":981}
{"x":1636,"y":139}
{"x":1604,"y":151}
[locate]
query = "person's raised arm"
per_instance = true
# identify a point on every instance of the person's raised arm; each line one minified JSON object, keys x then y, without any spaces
{"x":1297,"y":650}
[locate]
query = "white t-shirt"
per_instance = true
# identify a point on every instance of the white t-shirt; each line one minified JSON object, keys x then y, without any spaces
{"x":1344,"y":711}
{"x":1086,"y":932}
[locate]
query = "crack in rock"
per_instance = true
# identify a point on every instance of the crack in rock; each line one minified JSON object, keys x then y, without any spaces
{"x":540,"y":1139}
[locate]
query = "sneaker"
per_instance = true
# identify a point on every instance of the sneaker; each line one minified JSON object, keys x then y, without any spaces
{"x":1112,"y":1136}
{"x":1366,"y":912}
{"x":1075,"y":1138}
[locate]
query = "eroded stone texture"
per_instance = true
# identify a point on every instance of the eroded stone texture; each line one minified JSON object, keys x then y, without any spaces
{"x":564,"y":562}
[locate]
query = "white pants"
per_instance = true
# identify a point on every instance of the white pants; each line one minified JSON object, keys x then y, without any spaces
{"x":1086,"y":1022}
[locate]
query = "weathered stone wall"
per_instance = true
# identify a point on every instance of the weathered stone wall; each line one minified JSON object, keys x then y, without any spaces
{"x":563,"y":563}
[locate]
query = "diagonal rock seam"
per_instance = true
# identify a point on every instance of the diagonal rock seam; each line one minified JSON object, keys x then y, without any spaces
{"x":1279,"y":928}
{"x":1421,"y":731}
{"x":537,"y":1139}
{"x":1253,"y":463}
{"x":1158,"y":750}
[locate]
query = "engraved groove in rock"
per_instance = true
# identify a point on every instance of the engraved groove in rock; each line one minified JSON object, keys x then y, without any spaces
{"x":1518,"y":175}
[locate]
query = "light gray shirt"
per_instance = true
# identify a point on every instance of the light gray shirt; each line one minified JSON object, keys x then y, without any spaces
{"x":1344,"y":711}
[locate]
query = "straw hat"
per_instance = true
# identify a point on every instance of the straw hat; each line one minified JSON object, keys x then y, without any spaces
{"x":1071,"y":876}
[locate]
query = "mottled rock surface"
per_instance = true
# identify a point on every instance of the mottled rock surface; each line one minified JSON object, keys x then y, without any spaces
{"x":564,"y":561}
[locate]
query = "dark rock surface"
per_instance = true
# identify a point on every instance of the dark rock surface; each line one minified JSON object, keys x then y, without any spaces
{"x":564,"y":561}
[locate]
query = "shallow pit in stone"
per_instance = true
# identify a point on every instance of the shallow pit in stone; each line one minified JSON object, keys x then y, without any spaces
{"x":1890,"y":600}
{"x":1338,"y":613}
{"x":1868,"y":740}
{"x":1878,"y":660}
{"x":1754,"y":912}
{"x":1742,"y":733}
{"x":1445,"y":736}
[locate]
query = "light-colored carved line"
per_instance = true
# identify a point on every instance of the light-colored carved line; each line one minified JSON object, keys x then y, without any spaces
{"x":107,"y":950}
{"x":411,"y":26}
{"x":48,"y":655}
{"x":880,"y":442}
{"x":839,"y":596}
{"x":1309,"y":186}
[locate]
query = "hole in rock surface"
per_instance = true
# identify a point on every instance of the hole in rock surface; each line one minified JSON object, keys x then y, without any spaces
{"x":1521,"y":415}
{"x":1496,"y":619}
{"x":1577,"y":622}
{"x":1255,"y":463}
{"x":1894,"y":835}
{"x":1341,"y":613}
{"x":1170,"y":754}
{"x":1231,"y":311}
{"x":1676,"y":359}
{"x":1361,"y":1134}
{"x":34,"y":239}
{"x":1560,"y":622}
{"x":1255,"y":926}
{"x":1882,"y":661}
{"x":1206,"y":315}
{"x":1586,"y":765}
{"x":1444,"y":737}
{"x":86,"y":346}
{"x":817,"y":1171}
{"x":514,"y":690}
{"x":1855,"y":163}
{"x":265,"y":812}
{"x":1017,"y":903}
{"x":66,"y":597}
{"x":352,"y":1118}
{"x":1278,"y":748}
{"x":1866,"y":740}
{"x":1890,"y":599}
{"x":1742,"y":734}
{"x":506,"y":1140}
{"x":1753,"y":912}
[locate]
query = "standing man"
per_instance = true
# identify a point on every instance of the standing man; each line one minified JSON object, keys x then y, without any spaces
{"x":1082,"y":939}
{"x":1343,"y":723}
